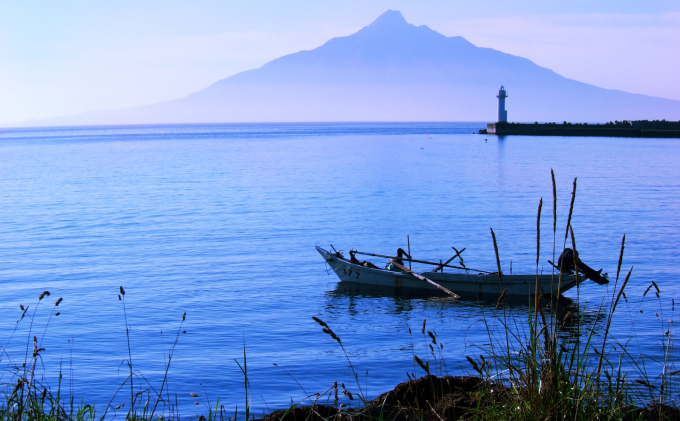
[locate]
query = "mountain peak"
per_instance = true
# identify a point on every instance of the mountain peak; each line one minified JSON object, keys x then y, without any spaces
{"x":391,"y":25}
{"x":391,"y":18}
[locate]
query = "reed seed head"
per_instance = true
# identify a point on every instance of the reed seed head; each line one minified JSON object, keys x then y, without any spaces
{"x":538,"y":230}
{"x":571,"y":210}
{"x":321,"y":322}
{"x":193,"y":395}
{"x":642,"y":382}
{"x":19,"y":384}
{"x":43,"y":295}
{"x":328,"y":331}
{"x":473,"y":364}
{"x":57,"y":313}
{"x":335,"y":392}
{"x":122,"y":291}
{"x":21,"y":306}
{"x":552,"y":173}
{"x":119,"y":297}
{"x":434,"y":340}
{"x":618,"y":270}
{"x":58,"y":301}
{"x":184,"y":316}
{"x":424,"y":366}
{"x":424,"y":322}
{"x":348,"y":394}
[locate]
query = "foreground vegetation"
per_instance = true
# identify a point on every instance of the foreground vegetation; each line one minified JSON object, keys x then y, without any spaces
{"x":529,"y":370}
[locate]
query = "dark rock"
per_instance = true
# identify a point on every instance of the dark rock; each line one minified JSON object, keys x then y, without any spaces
{"x":456,"y":405}
{"x":384,"y":412}
{"x":654,"y":413}
{"x":303,"y":413}
{"x":426,"y":391}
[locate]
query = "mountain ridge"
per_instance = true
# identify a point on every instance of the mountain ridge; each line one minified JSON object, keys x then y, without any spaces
{"x":392,"y":70}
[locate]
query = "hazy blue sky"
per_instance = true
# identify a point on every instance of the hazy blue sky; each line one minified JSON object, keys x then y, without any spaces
{"x":64,"y":57}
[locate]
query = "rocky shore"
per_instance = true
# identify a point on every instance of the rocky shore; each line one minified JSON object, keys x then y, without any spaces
{"x":432,"y":398}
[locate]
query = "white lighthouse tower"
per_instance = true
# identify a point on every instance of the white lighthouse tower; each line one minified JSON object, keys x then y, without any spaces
{"x":502,"y":113}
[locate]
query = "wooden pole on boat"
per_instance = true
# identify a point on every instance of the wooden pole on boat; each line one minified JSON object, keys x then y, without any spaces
{"x":459,"y":256}
{"x":441,"y":266}
{"x":421,"y":261}
{"x":422,"y":278}
{"x":408,"y":244}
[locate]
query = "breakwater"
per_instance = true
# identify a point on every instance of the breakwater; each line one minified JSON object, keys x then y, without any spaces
{"x":640,"y":128}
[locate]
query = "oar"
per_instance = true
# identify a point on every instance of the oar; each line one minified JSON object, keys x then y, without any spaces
{"x":422,"y":278}
{"x":449,"y":261}
{"x":421,"y":261}
{"x":555,"y":266}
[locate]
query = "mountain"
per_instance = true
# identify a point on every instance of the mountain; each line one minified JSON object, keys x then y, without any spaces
{"x":392,"y":71}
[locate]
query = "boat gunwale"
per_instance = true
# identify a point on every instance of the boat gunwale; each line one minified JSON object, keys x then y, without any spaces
{"x":476,"y":278}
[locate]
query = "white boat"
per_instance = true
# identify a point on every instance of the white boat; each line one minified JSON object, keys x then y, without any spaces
{"x":464,"y":283}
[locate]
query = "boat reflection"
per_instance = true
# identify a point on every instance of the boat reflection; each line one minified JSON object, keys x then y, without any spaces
{"x":571,"y":318}
{"x":356,"y":290}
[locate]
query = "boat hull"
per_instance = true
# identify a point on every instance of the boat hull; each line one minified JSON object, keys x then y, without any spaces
{"x":468,"y":284}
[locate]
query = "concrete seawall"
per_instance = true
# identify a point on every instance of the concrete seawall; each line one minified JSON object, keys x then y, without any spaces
{"x":660,"y":129}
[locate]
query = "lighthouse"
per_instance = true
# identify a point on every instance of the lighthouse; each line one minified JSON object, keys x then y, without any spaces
{"x":502,"y":113}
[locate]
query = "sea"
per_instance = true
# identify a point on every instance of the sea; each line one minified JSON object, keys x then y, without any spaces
{"x":210,"y":232}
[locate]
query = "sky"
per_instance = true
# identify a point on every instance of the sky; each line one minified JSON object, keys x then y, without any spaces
{"x":72,"y":56}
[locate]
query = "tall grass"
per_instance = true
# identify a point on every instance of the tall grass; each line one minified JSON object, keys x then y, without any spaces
{"x":27,"y":398}
{"x":553,"y":378}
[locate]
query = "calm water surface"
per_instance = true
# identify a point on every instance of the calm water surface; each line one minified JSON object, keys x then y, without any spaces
{"x":220,"y":221}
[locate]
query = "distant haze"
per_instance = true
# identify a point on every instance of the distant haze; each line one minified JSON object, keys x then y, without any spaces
{"x":392,"y":71}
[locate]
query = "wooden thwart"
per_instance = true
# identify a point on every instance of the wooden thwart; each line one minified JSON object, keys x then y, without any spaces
{"x":422,"y":278}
